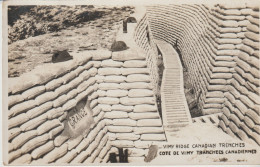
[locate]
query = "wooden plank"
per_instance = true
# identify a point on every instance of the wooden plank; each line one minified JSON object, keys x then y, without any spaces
{"x":175,"y":111}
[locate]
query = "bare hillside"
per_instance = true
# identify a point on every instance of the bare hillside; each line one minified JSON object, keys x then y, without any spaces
{"x":35,"y":32}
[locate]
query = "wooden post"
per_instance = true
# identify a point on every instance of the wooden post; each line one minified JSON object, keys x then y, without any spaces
{"x":125,"y":26}
{"x":112,"y":158}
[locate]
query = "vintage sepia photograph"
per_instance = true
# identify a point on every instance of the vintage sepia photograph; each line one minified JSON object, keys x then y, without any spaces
{"x":136,"y":84}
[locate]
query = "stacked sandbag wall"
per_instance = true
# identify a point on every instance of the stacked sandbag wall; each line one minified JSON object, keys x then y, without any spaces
{"x":220,"y":48}
{"x":134,"y":120}
{"x":144,"y":38}
{"x":39,"y":102}
{"x":127,"y":100}
{"x":242,"y":109}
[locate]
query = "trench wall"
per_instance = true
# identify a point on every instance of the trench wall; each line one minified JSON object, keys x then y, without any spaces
{"x":220,"y":48}
{"x":144,"y":39}
{"x":39,"y":103}
{"x":113,"y":90}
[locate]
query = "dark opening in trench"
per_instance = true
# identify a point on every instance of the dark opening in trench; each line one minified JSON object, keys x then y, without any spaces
{"x":188,"y":88}
{"x":160,"y":71}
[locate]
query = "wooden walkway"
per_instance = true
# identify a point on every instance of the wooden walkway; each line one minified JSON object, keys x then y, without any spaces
{"x":175,"y":111}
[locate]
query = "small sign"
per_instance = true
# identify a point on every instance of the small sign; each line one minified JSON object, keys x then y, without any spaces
{"x":79,"y":119}
{"x":77,"y":114}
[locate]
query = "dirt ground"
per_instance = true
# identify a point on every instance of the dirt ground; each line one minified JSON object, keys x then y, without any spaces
{"x":86,"y":34}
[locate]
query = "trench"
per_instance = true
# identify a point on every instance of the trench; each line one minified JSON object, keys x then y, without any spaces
{"x":213,"y":76}
{"x":120,"y":91}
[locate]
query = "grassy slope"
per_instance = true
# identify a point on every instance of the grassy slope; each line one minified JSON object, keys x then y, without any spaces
{"x":40,"y":30}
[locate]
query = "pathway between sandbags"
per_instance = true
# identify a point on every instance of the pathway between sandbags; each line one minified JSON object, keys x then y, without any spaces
{"x":175,"y":111}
